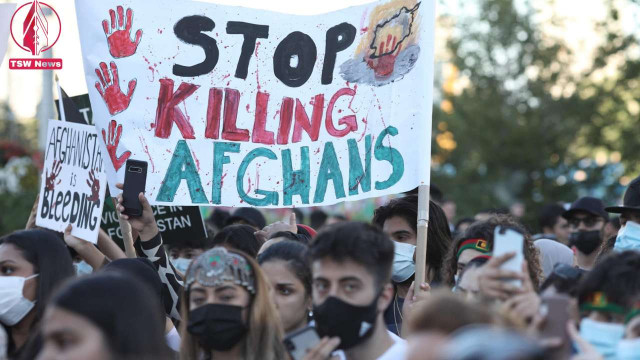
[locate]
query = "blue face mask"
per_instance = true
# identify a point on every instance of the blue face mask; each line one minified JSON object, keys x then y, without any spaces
{"x":628,"y":237}
{"x":403,"y":264}
{"x":82,"y":268}
{"x":603,"y":336}
{"x":181,"y":264}
{"x":628,"y":349}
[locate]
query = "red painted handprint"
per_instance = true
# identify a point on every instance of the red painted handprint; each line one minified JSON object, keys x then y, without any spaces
{"x":385,"y":60}
{"x":50,"y":181}
{"x":119,"y":36}
{"x":110,"y":91}
{"x":94,"y":184}
{"x":115,"y":131}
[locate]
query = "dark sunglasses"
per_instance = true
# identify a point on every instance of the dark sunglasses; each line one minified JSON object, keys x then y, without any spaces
{"x":588,"y":221}
{"x":567,"y":272}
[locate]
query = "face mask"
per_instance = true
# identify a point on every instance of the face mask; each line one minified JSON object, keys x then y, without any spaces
{"x":586,"y":241}
{"x":13,"y":306}
{"x":456,"y":277}
{"x":181,"y":264}
{"x":216,"y":326}
{"x":628,"y":349}
{"x":352,"y":324}
{"x":403,"y":265}
{"x":628,"y":237}
{"x":603,"y":336}
{"x":82,"y":268}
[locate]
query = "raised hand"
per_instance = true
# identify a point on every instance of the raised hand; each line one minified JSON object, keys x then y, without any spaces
{"x":115,"y":131}
{"x":384,"y":58}
{"x":110,"y":91}
{"x":145,"y":225}
{"x":94,"y":185}
{"x":119,"y":35}
{"x":289,"y":224}
{"x":50,"y":181}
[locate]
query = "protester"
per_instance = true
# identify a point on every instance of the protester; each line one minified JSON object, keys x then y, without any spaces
{"x":587,"y":219}
{"x":351,"y":265}
{"x":286,"y":266}
{"x":104,"y":316}
{"x":491,"y":343}
{"x":468,"y":284}
{"x":606,"y":296}
{"x":399,"y":219}
{"x":284,"y":230}
{"x":238,"y":237}
{"x":227,"y":311}
{"x":552,"y":253}
{"x":552,"y":225}
{"x":247,"y":216}
{"x":563,"y":279}
{"x":182,"y":252}
{"x":318,"y":218}
{"x":478,"y":241}
{"x":628,"y":237}
{"x":217,"y":220}
{"x":449,"y":208}
{"x":32,"y":264}
{"x":461,"y":226}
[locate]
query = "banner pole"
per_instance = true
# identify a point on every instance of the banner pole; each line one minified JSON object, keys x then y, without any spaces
{"x":423,"y":225}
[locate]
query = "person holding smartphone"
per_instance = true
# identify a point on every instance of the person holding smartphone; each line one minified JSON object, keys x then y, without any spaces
{"x":351,"y":265}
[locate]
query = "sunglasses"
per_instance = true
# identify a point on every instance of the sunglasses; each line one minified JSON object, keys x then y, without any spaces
{"x":588,"y":221}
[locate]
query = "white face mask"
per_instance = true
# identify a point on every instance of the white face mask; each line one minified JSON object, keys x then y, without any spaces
{"x":82,"y":268}
{"x":13,"y":306}
{"x":628,"y":237}
{"x":628,"y":349}
{"x":603,"y":336}
{"x":181,"y":264}
{"x":403,"y":264}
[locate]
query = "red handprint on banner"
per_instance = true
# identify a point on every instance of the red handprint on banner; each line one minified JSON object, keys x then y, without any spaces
{"x":115,"y":132}
{"x":94,"y":185}
{"x":385,"y":60}
{"x":119,"y":36}
{"x":110,"y":91}
{"x":50,"y":179}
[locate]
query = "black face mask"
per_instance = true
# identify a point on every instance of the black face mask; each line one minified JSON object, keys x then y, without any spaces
{"x":352,"y":324}
{"x":216,"y":326}
{"x":586,"y":241}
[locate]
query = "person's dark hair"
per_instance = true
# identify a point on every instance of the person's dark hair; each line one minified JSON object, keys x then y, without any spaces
{"x":438,"y":232}
{"x":564,"y":278}
{"x":301,"y":238}
{"x":463,"y":221}
{"x":50,"y":259}
{"x":239,"y":237}
{"x":358,"y":242}
{"x":218,"y":218}
{"x":126,"y":311}
{"x":317,"y":218}
{"x":484,"y":230}
{"x":548,"y":215}
{"x":299,"y":215}
{"x":192,"y":243}
{"x":616,"y":276}
{"x":295,"y":255}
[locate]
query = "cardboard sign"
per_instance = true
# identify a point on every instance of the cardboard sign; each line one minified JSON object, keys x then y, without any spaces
{"x":242,"y":107}
{"x":73,"y":180}
{"x":174,"y":222}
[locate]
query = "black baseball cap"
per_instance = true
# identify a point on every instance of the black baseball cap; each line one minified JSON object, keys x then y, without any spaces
{"x":631,"y":200}
{"x":251,"y":216}
{"x":587,"y":204}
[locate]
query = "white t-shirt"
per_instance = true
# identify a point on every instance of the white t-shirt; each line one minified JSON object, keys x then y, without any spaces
{"x":397,"y":351}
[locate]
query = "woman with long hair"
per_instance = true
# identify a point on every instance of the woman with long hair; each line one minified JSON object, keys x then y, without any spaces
{"x":32,"y":264}
{"x":227,"y":312}
{"x":286,"y":266}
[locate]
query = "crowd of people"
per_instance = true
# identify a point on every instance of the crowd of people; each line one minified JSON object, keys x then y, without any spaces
{"x":333,"y":289}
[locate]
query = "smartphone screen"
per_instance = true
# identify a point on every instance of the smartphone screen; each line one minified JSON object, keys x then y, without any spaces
{"x":135,"y":180}
{"x":505,"y":241}
{"x":300,"y":342}
{"x":557,"y":315}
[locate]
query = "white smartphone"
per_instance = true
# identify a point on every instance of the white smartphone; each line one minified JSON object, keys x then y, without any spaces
{"x":506,"y":240}
{"x":300,"y":342}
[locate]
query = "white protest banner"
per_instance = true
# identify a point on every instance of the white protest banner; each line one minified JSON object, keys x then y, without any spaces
{"x":6,"y":12}
{"x":241,"y":107}
{"x":73,"y":180}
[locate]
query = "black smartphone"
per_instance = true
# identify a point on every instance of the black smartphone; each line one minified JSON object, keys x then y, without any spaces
{"x":135,"y":179}
{"x":556,"y":308}
{"x":298,"y":343}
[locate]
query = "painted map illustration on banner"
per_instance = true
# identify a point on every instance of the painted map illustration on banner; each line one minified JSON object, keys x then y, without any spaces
{"x":243,"y":107}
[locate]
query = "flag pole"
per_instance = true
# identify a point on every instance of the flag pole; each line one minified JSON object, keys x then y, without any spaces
{"x":423,"y":225}
{"x":62,"y":114}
